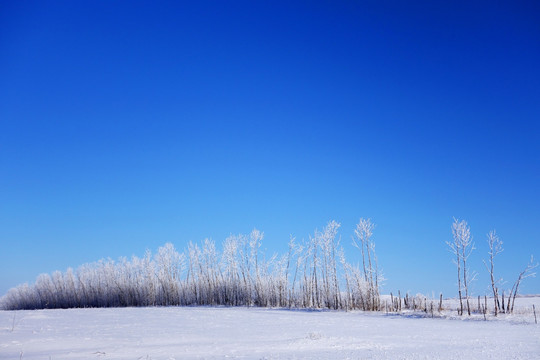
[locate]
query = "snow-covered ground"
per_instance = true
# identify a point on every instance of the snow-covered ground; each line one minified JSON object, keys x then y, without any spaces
{"x":255,"y":333}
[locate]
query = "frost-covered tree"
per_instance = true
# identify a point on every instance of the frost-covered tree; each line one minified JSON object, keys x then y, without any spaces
{"x":527,"y":272}
{"x":461,"y":247}
{"x":169,"y":266}
{"x":329,"y":243}
{"x":362,"y":241}
{"x":495,"y":248}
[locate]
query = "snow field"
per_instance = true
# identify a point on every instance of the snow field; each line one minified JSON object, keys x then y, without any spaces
{"x":256,"y":333}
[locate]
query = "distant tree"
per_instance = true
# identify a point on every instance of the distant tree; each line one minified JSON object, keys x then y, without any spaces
{"x":461,"y":247}
{"x":495,"y":247}
{"x":527,"y":272}
{"x":363,"y":242}
{"x":328,"y":242}
{"x":169,"y":269}
{"x":255,"y":241}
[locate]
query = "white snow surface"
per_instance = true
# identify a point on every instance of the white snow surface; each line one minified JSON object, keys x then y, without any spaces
{"x":258,"y":333}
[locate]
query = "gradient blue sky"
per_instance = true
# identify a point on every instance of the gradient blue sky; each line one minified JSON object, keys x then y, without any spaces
{"x":126,"y":125}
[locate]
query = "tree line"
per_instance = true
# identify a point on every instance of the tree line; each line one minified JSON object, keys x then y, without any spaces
{"x":311,"y":274}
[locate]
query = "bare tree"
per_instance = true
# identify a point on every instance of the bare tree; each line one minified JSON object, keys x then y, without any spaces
{"x":495,"y":247}
{"x":314,"y":244}
{"x":255,"y":241}
{"x":363,"y":231}
{"x":462,"y":247}
{"x":455,"y":248}
{"x":362,"y":241}
{"x":527,"y":272}
{"x":329,"y":243}
{"x":459,"y":246}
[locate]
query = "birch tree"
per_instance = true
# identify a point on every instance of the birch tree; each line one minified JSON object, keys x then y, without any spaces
{"x":462,"y":247}
{"x":363,"y":242}
{"x":495,"y":248}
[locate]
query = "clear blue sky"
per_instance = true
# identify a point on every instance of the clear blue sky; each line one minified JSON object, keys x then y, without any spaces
{"x":126,"y":125}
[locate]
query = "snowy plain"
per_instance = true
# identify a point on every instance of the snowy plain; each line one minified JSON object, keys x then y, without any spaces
{"x":262,"y":333}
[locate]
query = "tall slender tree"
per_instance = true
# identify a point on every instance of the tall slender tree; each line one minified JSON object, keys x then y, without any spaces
{"x":462,"y":246}
{"x":495,"y":248}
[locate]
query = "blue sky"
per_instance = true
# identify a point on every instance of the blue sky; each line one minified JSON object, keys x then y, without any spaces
{"x":127,"y":125}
